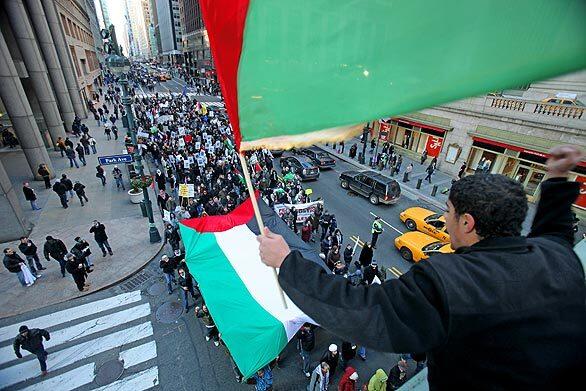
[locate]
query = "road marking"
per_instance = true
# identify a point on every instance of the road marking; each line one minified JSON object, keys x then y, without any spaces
{"x":397,"y":270}
{"x":357,"y":240}
{"x":66,"y":381}
{"x":138,"y":354}
{"x":138,"y":382}
{"x":84,"y":329}
{"x":49,"y":320}
{"x":60,"y":359}
{"x":387,"y":224}
{"x":395,"y":273}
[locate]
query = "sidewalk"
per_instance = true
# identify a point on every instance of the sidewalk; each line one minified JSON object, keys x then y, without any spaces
{"x":443,"y":181}
{"x":126,"y":228}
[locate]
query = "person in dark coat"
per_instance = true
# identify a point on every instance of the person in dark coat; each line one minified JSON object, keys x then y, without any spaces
{"x":99,"y":231}
{"x":348,"y":353}
{"x":331,"y":357}
{"x":43,"y":171}
{"x":12,"y":262}
{"x":32,"y":340}
{"x":397,"y":375}
{"x":172,"y":237}
{"x":70,"y":153}
{"x":76,"y":268}
{"x":161,"y":180}
{"x":28,"y":248}
{"x":186,"y":283}
{"x":371,"y":272}
{"x":61,"y":191}
{"x":305,"y":344}
{"x":504,"y":310}
{"x":68,"y":185}
{"x":30,"y":195}
{"x":101,"y":175}
{"x":57,"y":250}
{"x":80,"y":153}
{"x":82,"y":251}
{"x":366,"y":255}
{"x":168,"y":268}
{"x":79,"y":190}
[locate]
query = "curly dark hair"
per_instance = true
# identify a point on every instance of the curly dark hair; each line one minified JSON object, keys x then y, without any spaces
{"x":497,"y":203}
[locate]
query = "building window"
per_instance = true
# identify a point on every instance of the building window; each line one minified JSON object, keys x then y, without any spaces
{"x":74,"y":56}
{"x":84,"y":66}
{"x":64,"y":23}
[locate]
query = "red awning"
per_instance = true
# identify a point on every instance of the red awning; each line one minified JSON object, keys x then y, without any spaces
{"x":419,"y":124}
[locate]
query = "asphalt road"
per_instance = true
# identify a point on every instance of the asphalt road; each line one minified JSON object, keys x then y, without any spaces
{"x":355,"y":215}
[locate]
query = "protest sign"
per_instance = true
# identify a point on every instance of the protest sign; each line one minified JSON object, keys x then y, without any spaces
{"x":303,"y":210}
{"x":183,"y":190}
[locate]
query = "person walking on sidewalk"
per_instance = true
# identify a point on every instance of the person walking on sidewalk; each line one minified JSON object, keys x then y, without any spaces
{"x":84,"y":141}
{"x":71,"y":156}
{"x":61,"y":191}
{"x":76,"y":268}
{"x":115,"y":131}
{"x":79,"y":190}
{"x":408,"y":171}
{"x":61,"y":146}
{"x":80,"y":153}
{"x":423,"y":157}
{"x":462,"y":171}
{"x":82,"y":251}
{"x":68,"y":185}
{"x":14,"y":264}
{"x":377,"y":229}
{"x":101,"y":174}
{"x":107,"y":132}
{"x":168,"y":269}
{"x":117,"y":173}
{"x":305,"y":344}
{"x":208,"y":321}
{"x":32,"y":340}
{"x":28,"y":248}
{"x":92,"y":143}
{"x":43,"y":171}
{"x":30,"y":195}
{"x":186,"y":283}
{"x":99,"y":231}
{"x":56,"y":249}
{"x":430,"y":171}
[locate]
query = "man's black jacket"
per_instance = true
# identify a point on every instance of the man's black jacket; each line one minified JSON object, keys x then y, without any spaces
{"x":54,"y":247}
{"x":503,"y":313}
{"x":32,"y":342}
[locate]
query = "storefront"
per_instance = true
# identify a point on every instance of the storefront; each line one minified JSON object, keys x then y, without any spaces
{"x":525,"y":165}
{"x":412,"y":136}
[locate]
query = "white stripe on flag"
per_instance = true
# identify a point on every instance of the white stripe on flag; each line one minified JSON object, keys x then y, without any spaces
{"x":138,"y":382}
{"x":83,"y":329}
{"x":49,"y":320}
{"x":258,"y":278}
{"x":66,"y":381}
{"x":139,"y":354}
{"x":60,"y":359}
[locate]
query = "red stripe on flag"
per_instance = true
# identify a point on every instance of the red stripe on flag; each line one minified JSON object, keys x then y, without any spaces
{"x":239,"y":216}
{"x":224,"y":21}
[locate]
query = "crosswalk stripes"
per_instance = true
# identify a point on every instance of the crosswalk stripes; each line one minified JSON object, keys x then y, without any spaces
{"x":116,"y":328}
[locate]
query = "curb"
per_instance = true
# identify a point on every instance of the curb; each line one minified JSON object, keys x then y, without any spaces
{"x":406,"y":188}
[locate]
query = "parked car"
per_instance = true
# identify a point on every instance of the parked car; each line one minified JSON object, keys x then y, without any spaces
{"x":322,"y":159}
{"x":302,"y":166}
{"x":417,"y":246}
{"x":376,"y":187}
{"x":426,"y":221}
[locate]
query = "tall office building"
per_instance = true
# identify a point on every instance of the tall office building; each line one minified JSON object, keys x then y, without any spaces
{"x":169,"y":30}
{"x":105,"y":14}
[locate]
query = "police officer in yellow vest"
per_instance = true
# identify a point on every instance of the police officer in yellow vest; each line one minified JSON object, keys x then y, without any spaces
{"x":377,"y":229}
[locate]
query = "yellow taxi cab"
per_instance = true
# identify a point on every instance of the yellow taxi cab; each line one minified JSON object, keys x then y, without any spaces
{"x":426,"y":221}
{"x":162,"y":77}
{"x":417,"y":246}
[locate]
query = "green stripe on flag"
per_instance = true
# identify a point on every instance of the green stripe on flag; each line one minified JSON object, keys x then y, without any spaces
{"x":240,"y":319}
{"x":309,"y":65}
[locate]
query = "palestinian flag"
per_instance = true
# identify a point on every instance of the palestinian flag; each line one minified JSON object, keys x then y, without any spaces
{"x":296,"y":72}
{"x":240,"y":292}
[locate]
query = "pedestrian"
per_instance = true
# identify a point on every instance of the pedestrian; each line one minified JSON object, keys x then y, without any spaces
{"x":161,"y":180}
{"x":79,"y":189}
{"x":210,"y":325}
{"x":423,"y":157}
{"x":430,"y":170}
{"x":348,"y":254}
{"x":68,"y":143}
{"x":263,"y":379}
{"x":366,"y":255}
{"x":372,"y":272}
{"x":186,"y":283}
{"x":30,"y":195}
{"x":172,"y":237}
{"x":464,"y":300}
{"x":61,"y":146}
{"x":56,"y":249}
{"x":306,"y":231}
{"x":100,"y":236}
{"x":68,"y":186}
{"x":107,"y":132}
{"x":348,"y":380}
{"x":82,"y":252}
{"x":378,"y":381}
{"x":168,"y":269}
{"x":305,"y":344}
{"x":61,"y":191}
{"x":348,"y":353}
{"x":31,"y":340}
{"x":115,"y":131}
{"x":80,"y":153}
{"x":101,"y":175}
{"x":320,"y":378}
{"x":117,"y":174}
{"x":84,"y":141}
{"x":28,"y":248}
{"x":376,"y":230}
{"x":331,"y":357}
{"x":43,"y":171}
{"x":92,"y":143}
{"x":397,"y":375}
{"x":462,"y":171}
{"x":408,"y":171}
{"x":70,"y":153}
{"x":76,"y":268}
{"x":15,"y":264}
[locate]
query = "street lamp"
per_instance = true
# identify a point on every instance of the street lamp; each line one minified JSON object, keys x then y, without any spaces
{"x":120,"y":66}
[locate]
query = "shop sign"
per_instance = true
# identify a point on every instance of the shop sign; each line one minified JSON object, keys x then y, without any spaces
{"x":434,"y":146}
{"x":383,"y":131}
{"x":581,"y":200}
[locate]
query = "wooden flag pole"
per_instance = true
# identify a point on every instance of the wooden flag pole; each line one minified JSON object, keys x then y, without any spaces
{"x":258,"y":217}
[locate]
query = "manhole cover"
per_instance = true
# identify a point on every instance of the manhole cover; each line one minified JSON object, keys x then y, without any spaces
{"x":156,"y":289}
{"x":109,"y":372}
{"x":169,"y":312}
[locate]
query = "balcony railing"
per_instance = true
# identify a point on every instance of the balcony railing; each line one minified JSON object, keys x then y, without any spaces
{"x":549,"y":109}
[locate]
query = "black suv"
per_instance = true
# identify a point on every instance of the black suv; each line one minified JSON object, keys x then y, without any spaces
{"x":302,"y":166}
{"x":378,"y":188}
{"x":322,"y":159}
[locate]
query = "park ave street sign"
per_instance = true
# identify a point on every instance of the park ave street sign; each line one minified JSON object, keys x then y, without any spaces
{"x":115,"y":159}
